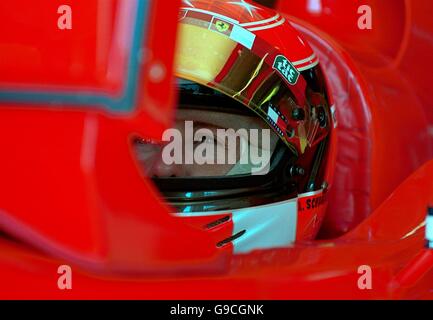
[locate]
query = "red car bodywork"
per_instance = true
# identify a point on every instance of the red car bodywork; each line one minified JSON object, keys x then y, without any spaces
{"x":72,"y":193}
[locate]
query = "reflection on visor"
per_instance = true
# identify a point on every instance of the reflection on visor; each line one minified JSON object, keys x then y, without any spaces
{"x":292,"y":110}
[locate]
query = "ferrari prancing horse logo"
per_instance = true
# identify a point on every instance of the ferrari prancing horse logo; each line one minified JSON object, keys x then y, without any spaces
{"x":286,"y":69}
{"x":222,"y":26}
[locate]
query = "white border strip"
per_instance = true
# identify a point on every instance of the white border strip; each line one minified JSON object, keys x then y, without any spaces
{"x":279,"y":23}
{"x":311,"y":58}
{"x":212,"y":14}
{"x":256,"y":23}
{"x":310,"y":66}
{"x":334,"y":115}
{"x":230,"y":211}
{"x":243,"y":36}
{"x":310,"y":194}
{"x":429,"y":228}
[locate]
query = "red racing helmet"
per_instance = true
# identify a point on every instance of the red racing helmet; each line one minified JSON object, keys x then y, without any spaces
{"x":237,"y":57}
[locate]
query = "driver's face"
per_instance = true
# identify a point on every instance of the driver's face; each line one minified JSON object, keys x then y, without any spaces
{"x":155,"y":166}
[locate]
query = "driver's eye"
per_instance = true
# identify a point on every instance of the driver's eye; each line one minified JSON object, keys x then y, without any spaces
{"x":146,"y":149}
{"x":147,"y":153}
